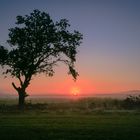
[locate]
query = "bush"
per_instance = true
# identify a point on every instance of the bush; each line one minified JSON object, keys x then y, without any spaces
{"x":132,"y":102}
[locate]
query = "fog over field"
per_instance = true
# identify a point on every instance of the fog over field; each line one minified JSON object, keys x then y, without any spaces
{"x":117,"y":95}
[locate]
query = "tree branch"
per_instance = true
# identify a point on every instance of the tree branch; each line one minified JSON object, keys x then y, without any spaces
{"x":14,"y":86}
{"x":26,"y":81}
{"x":43,"y":57}
{"x":50,"y":64}
{"x":21,"y":83}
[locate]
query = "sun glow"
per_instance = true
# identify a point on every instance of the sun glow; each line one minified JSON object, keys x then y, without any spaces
{"x":75,"y":91}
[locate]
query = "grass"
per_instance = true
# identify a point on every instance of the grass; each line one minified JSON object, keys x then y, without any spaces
{"x":69,"y":121}
{"x":94,"y":126}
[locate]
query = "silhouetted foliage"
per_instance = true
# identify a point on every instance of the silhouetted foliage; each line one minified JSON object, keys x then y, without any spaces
{"x":3,"y":55}
{"x":132,"y":102}
{"x":39,"y":44}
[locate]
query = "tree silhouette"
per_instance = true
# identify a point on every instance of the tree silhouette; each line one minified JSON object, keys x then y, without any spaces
{"x":37,"y":45}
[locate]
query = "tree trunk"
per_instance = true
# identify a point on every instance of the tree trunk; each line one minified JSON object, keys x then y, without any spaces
{"x":22,"y":95}
{"x":21,"y":100}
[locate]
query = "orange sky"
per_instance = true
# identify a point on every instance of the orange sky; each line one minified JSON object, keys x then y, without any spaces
{"x":64,"y":84}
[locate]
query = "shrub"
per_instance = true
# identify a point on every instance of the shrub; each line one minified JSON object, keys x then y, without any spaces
{"x":132,"y":102}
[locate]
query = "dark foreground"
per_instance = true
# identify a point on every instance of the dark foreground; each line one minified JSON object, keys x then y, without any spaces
{"x":101,"y":125}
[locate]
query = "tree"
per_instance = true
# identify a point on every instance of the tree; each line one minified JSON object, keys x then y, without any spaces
{"x":37,"y":45}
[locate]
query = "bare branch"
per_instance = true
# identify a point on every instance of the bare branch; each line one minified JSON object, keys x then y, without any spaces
{"x":21,"y":83}
{"x":14,"y":86}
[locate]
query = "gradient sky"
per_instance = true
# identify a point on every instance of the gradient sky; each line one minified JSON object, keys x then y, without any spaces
{"x":109,"y":57}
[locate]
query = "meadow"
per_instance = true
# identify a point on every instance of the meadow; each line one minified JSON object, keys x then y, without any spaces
{"x":83,"y":119}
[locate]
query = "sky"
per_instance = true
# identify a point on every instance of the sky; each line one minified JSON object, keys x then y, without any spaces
{"x":108,"y":60}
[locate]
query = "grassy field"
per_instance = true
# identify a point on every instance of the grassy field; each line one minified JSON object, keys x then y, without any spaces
{"x":68,"y":121}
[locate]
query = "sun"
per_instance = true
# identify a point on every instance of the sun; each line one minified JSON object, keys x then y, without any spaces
{"x":75,"y":91}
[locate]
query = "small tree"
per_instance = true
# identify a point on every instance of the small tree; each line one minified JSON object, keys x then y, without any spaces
{"x":37,"y":45}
